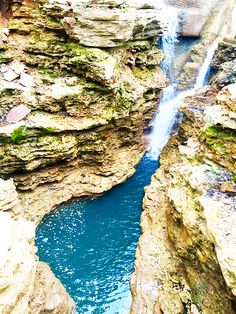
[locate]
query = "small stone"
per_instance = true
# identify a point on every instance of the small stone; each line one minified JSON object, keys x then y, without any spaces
{"x":17,"y":67}
{"x":4,"y":68}
{"x":18,"y":113}
{"x":5,"y":31}
{"x":4,"y":38}
{"x":10,"y":75}
{"x":26,"y":80}
{"x":227,"y":201}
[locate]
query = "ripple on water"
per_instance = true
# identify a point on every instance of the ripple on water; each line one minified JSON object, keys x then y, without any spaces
{"x":90,"y":244}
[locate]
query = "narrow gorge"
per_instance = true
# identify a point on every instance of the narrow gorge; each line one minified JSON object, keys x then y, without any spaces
{"x":136,"y":97}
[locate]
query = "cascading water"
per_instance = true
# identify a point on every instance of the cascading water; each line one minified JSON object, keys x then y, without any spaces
{"x":168,"y":108}
{"x":204,"y":70}
{"x":169,"y":40}
{"x":233,"y":21}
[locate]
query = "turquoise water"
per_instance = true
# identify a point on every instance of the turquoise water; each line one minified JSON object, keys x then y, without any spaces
{"x":90,"y":244}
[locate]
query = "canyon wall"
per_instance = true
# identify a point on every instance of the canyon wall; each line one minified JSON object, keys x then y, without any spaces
{"x":79,"y":83}
{"x":83,"y":80}
{"x":185,"y":260}
{"x":27,"y":286}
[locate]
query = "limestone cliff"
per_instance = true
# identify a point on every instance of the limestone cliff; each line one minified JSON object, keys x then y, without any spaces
{"x":79,"y":83}
{"x":26,"y":285}
{"x":73,"y":116}
{"x":185,"y":261}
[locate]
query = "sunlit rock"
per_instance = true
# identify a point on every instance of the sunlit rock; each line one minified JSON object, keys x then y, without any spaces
{"x":26,"y":286}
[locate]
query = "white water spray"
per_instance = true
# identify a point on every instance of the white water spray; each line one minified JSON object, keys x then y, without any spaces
{"x":233,"y":21}
{"x":204,"y":70}
{"x":170,"y":38}
{"x":169,"y":105}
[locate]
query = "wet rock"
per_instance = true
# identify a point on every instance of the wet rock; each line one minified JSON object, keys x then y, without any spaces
{"x":224,"y":64}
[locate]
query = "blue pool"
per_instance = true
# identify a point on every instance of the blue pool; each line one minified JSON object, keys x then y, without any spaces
{"x":90,"y":244}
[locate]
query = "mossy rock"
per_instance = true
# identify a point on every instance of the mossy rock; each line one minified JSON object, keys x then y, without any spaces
{"x":4,"y":58}
{"x":19,"y":134}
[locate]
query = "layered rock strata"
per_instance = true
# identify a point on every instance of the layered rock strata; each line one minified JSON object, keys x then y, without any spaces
{"x":79,"y":83}
{"x":26,"y":285}
{"x":80,"y":130}
{"x":185,"y":260}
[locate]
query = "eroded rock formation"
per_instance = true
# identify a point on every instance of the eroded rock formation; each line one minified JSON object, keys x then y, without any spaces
{"x":87,"y":107}
{"x":185,"y":261}
{"x":26,"y":285}
{"x":79,"y":83}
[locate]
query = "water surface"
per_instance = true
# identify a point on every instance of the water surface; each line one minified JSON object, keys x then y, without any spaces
{"x":90,"y":244}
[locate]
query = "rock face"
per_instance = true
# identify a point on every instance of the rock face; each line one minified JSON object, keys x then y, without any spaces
{"x":105,"y":23}
{"x":26,"y":285}
{"x":79,"y":83}
{"x":193,"y":15}
{"x":85,"y":108}
{"x":185,"y":261}
{"x":224,"y":63}
{"x":218,"y":25}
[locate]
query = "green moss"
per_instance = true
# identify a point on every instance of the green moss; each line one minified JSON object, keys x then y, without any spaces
{"x":221,"y":141}
{"x":138,"y":45}
{"x":217,"y":132}
{"x":143,"y":74}
{"x":83,"y":54}
{"x":19,"y":26}
{"x":53,"y":22}
{"x":234,"y":178}
{"x":4,"y":58}
{"x":48,"y":130}
{"x":9,"y":92}
{"x":53,"y":73}
{"x":19,"y":134}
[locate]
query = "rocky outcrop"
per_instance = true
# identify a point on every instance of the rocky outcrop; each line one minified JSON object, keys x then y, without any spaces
{"x":185,"y":259}
{"x":224,"y":63}
{"x":218,"y":24}
{"x":26,"y":285}
{"x":105,"y":23}
{"x":193,"y":15}
{"x":49,"y":296}
{"x":80,"y":130}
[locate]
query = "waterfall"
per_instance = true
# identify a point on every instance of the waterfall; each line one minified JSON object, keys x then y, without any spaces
{"x":169,"y":104}
{"x":204,"y":70}
{"x":169,"y":39}
{"x":233,"y":20}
